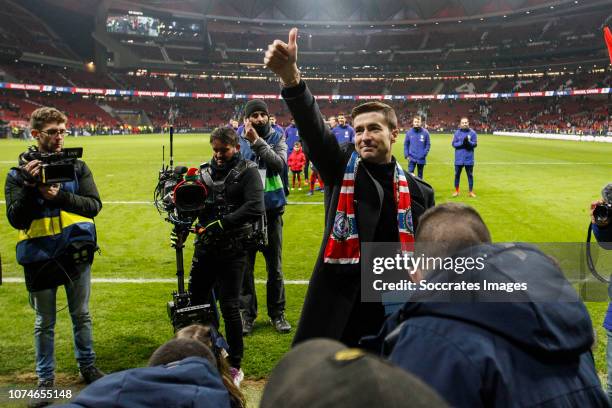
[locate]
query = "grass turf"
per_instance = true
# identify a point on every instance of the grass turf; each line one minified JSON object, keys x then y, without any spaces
{"x":528,"y":190}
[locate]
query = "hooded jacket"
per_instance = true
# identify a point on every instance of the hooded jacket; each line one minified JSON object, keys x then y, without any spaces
{"x":494,"y":354}
{"x":191,"y":382}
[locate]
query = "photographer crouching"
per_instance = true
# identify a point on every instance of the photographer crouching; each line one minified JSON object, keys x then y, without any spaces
{"x":51,"y":198}
{"x":229,"y":226}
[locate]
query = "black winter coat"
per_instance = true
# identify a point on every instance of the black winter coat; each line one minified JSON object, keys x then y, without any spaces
{"x":332,"y":307}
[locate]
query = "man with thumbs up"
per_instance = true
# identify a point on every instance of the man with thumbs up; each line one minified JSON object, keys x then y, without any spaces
{"x":368,"y":198}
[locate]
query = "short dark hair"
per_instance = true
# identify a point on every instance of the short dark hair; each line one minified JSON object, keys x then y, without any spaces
{"x":225,"y":135}
{"x":375,"y":106}
{"x":178,"y":349}
{"x":417,"y":117}
{"x":451,"y":227}
{"x":42,"y":116}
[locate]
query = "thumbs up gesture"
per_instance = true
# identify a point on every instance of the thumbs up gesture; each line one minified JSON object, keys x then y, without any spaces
{"x":281,"y":58}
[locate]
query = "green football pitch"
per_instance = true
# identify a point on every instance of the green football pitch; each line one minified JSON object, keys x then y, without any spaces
{"x":528,"y":190}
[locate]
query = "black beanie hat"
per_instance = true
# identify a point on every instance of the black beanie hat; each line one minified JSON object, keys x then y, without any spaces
{"x":255,"y":105}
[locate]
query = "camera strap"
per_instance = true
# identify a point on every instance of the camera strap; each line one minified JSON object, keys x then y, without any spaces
{"x":589,"y":258}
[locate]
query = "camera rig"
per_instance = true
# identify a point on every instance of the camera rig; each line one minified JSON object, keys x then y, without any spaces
{"x":181,"y":198}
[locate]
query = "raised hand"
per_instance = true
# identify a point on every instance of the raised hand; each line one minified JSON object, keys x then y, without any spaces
{"x":249,"y":132}
{"x":281,"y":58}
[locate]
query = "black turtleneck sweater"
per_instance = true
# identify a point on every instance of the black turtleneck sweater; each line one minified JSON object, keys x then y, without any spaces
{"x":386,"y":227}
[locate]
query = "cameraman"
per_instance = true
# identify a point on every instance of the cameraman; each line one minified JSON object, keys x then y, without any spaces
{"x":57,"y":239}
{"x":235,"y":194}
{"x":603,"y":234}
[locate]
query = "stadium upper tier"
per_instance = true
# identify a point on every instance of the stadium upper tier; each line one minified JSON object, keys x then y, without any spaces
{"x":337,"y":85}
{"x":456,"y":37}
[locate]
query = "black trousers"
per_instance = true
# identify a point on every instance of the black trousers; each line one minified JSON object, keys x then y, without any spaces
{"x":275,"y":286}
{"x":225,"y":273}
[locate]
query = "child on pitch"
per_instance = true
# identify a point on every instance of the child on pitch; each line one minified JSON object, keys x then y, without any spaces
{"x":314,"y":177}
{"x":296,"y":163}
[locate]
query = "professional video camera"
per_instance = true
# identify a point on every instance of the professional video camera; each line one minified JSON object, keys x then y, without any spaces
{"x":602,"y":214}
{"x":57,"y":167}
{"x":181,"y":196}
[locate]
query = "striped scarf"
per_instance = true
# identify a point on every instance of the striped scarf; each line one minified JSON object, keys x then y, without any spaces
{"x":343,"y":246}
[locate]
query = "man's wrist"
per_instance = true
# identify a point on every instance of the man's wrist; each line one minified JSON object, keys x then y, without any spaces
{"x":292,"y":81}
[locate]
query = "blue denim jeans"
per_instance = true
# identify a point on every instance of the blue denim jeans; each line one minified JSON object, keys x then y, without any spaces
{"x":609,"y":363}
{"x":43,"y":302}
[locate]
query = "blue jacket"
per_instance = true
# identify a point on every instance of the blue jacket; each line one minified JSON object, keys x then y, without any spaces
{"x":192,"y":382}
{"x":344,"y":134}
{"x":270,"y":155}
{"x":417,"y":145}
{"x":513,"y":354}
{"x":605,"y":235}
{"x":279,"y":128}
{"x":602,"y":234}
{"x":464,"y":142}
{"x":293,"y":135}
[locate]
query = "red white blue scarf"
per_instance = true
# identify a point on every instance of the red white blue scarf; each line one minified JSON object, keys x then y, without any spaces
{"x":343,"y":246}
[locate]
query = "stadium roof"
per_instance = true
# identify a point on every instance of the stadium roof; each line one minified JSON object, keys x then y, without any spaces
{"x":368,"y":10}
{"x":344,"y":11}
{"x":340,"y":12}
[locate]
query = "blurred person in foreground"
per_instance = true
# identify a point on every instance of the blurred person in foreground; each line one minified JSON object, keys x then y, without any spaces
{"x":490,"y":349}
{"x":209,"y":337}
{"x":345,"y":378}
{"x":181,"y":373}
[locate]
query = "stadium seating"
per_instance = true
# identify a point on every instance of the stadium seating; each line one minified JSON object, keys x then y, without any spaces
{"x":25,"y":30}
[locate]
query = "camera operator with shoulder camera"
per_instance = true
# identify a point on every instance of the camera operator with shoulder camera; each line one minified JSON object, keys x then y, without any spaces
{"x":51,"y":198}
{"x":601,"y":216}
{"x":601,"y":225}
{"x":229,"y":226}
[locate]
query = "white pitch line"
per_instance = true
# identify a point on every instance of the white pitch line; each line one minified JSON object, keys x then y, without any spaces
{"x":149,"y":280}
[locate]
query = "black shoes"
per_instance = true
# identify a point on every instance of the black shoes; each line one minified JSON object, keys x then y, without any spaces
{"x":91,"y":374}
{"x":44,"y":386}
{"x":281,"y":324}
